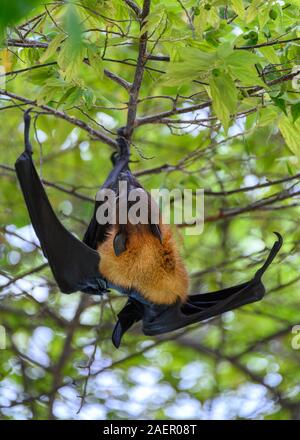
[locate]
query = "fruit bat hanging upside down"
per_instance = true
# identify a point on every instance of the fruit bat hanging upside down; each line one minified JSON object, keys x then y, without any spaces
{"x":140,"y":261}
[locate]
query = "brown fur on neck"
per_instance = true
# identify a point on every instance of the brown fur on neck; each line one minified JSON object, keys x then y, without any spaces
{"x":154,"y":269}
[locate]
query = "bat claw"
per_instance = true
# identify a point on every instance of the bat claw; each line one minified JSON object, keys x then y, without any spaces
{"x":279,"y":236}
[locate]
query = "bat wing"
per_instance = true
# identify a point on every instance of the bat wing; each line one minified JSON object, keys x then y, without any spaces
{"x":158,"y":319}
{"x":73,"y":263}
{"x":204,"y":306}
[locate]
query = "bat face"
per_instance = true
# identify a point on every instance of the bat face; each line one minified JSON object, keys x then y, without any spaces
{"x":150,"y":266}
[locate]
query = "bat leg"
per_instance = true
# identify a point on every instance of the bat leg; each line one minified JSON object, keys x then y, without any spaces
{"x":73,"y":263}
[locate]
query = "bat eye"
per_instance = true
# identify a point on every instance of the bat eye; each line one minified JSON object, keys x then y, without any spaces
{"x":119,"y":243}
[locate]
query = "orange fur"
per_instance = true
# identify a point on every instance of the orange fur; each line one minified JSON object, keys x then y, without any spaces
{"x":155,"y":270}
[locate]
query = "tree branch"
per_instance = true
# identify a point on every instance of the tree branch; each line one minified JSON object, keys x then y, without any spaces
{"x":139,"y":73}
{"x":154,"y":119}
{"x":134,"y":7}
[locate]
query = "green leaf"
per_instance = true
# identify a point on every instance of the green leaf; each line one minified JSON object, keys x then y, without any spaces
{"x":224,"y":96}
{"x":46,"y":94}
{"x":238,"y":7}
{"x":89,"y":98}
{"x":238,"y":57}
{"x":295,"y":2}
{"x":73,"y":26}
{"x":52,"y":47}
{"x":280,"y":103}
{"x":201,"y":21}
{"x":270,"y":54}
{"x":56,"y":82}
{"x":213,"y":17}
{"x":96,"y":61}
{"x":291,"y":134}
{"x":252,"y":11}
{"x":289,"y":168}
{"x":153,"y":20}
{"x":263,"y":16}
{"x":242,"y":66}
{"x":66,"y":96}
{"x":295,"y":111}
{"x":11,"y":11}
{"x":40,"y":76}
{"x":194,"y":63}
{"x":267,"y":116}
{"x":72,"y":51}
{"x":69,"y":60}
{"x":225,"y":50}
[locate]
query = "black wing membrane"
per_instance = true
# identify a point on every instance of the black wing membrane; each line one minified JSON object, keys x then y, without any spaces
{"x":158,"y":319}
{"x":73,"y":263}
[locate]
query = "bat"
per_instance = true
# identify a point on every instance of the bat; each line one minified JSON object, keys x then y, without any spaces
{"x":140,"y":261}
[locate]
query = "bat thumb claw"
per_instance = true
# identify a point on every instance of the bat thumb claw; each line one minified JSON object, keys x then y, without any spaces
{"x":279,"y":236}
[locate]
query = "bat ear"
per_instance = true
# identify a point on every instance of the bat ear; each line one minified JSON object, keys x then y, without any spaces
{"x":155,"y":230}
{"x":120,"y":243}
{"x":154,"y":218}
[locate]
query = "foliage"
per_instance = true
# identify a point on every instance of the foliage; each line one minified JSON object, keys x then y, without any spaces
{"x":218,"y":108}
